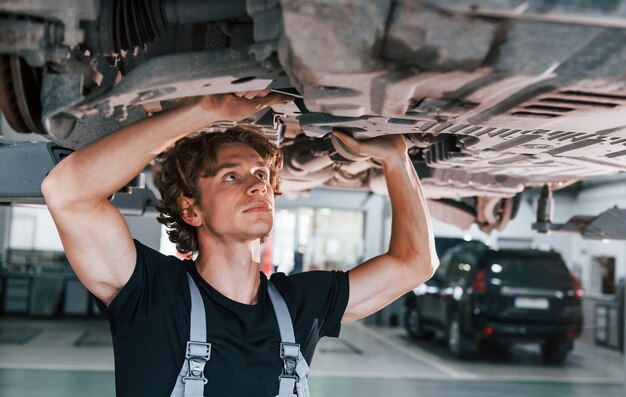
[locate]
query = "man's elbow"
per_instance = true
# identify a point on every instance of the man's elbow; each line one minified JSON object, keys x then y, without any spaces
{"x":422,"y":268}
{"x":56,"y":192}
{"x":50,"y":191}
{"x":425,"y":268}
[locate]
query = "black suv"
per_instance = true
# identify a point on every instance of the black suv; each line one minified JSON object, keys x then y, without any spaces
{"x":481,"y":295}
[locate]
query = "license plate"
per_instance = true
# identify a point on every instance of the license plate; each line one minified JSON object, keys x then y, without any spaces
{"x":532,"y":303}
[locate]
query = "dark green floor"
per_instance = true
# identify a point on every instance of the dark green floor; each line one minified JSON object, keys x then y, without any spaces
{"x":456,"y":388}
{"x":40,"y":383}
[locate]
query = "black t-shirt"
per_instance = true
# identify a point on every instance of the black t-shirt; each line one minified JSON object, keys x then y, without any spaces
{"x":149,"y":321}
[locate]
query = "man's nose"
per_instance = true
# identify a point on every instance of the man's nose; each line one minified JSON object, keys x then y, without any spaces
{"x":259,"y":186}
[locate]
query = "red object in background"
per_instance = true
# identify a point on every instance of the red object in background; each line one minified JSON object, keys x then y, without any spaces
{"x":578,"y":290}
{"x":480,"y":282}
{"x":267,"y":267}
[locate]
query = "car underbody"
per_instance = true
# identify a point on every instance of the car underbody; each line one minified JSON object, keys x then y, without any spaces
{"x":494,"y":97}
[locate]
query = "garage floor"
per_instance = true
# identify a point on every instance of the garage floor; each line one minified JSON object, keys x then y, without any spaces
{"x":73,"y":357}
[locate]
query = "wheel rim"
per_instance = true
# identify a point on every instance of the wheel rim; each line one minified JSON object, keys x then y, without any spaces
{"x":454,"y":336}
{"x":414,"y":321}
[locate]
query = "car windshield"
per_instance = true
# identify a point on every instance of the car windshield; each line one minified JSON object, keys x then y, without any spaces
{"x":524,"y":270}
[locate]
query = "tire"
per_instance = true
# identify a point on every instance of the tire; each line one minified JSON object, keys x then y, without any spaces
{"x":414,"y":325}
{"x":555,"y":352}
{"x":457,"y":342}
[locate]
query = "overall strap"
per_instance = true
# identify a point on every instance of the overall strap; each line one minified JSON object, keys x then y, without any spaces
{"x":190,"y":382}
{"x":293,"y":377}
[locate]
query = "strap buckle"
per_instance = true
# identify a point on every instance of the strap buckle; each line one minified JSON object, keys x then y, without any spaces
{"x":198,"y":353}
{"x":290,"y":353}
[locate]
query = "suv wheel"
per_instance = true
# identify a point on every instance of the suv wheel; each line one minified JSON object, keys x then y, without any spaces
{"x":414,"y":325}
{"x":457,"y":343}
{"x":554,"y":351}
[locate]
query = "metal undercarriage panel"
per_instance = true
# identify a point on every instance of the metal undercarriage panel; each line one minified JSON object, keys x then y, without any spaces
{"x":494,"y":96}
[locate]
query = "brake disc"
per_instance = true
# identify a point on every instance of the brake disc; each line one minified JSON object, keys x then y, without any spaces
{"x":20,"y":94}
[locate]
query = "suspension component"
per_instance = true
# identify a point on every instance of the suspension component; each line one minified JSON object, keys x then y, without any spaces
{"x":545,"y":211}
{"x":126,"y":24}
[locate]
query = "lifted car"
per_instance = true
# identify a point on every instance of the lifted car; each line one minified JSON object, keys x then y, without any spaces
{"x":494,"y":96}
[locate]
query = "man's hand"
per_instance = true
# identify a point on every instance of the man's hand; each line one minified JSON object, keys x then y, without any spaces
{"x":383,"y":148}
{"x":235,"y":107}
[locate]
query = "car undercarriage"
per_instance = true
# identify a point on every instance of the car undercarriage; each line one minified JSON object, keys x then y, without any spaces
{"x":494,"y":97}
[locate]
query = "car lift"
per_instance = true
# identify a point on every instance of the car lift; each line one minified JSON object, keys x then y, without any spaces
{"x":609,"y":225}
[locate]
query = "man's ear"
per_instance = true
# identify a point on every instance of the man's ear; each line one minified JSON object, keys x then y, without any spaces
{"x":189,"y":212}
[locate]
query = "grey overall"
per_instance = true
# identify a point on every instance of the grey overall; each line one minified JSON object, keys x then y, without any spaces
{"x":190,"y":382}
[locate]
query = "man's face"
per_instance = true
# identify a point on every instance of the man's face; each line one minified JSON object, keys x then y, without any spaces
{"x":238,"y":201}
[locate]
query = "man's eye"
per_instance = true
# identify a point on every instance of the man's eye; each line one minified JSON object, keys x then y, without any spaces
{"x":262,"y":175}
{"x":230,"y":177}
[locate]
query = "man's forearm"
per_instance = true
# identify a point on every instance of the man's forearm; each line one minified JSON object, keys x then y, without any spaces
{"x":412,"y":239}
{"x":100,"y":169}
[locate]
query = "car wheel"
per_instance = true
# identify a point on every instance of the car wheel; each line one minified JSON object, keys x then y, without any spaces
{"x":457,"y":342}
{"x":414,"y":325}
{"x":555,"y":352}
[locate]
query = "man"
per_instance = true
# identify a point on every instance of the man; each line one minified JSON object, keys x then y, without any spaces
{"x":219,"y":206}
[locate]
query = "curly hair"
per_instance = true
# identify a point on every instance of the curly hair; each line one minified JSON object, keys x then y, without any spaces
{"x":194,"y":157}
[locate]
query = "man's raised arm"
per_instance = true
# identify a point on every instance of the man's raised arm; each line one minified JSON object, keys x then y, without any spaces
{"x":96,"y":239}
{"x":411,"y":258}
